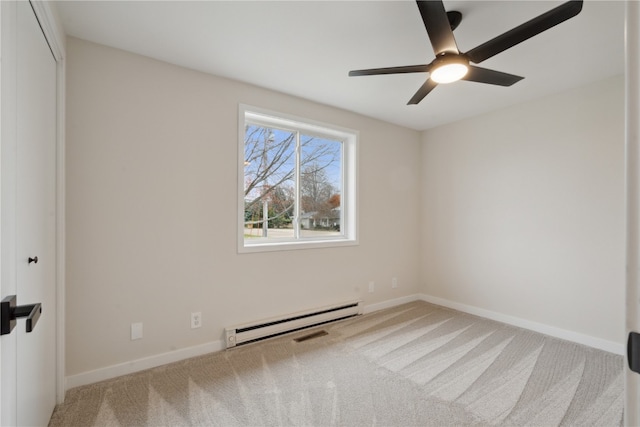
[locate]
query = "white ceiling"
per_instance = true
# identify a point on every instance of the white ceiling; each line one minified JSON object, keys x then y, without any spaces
{"x":306,"y":48}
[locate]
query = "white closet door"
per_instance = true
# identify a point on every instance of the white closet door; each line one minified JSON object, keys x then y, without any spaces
{"x":35,"y":218}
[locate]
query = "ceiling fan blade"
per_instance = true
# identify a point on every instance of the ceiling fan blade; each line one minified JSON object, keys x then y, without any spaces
{"x":438,"y":27}
{"x":525,"y":31}
{"x":492,"y":77}
{"x":422,"y":92}
{"x":391,"y":70}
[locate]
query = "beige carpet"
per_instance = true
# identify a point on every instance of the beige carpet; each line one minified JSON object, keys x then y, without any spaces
{"x":413,"y":365}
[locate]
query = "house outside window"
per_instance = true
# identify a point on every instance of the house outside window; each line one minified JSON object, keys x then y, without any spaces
{"x":297,"y":183}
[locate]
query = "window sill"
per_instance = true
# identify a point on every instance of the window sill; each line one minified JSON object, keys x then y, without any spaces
{"x":294,"y":246}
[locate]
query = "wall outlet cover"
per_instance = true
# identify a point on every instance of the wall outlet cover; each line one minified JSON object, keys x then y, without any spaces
{"x":136,"y":331}
{"x":196,"y":320}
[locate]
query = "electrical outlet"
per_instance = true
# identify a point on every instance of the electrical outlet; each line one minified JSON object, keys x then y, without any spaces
{"x":372,"y":286}
{"x":136,"y":331}
{"x":394,"y":282}
{"x":196,"y":320}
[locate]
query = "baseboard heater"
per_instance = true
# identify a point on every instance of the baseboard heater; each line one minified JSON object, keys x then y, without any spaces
{"x":267,"y":328}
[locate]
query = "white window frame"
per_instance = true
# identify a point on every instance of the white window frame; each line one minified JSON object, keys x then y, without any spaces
{"x":348,"y":196}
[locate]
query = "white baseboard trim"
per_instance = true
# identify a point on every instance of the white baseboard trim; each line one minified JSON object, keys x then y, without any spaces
{"x":390,"y":303}
{"x":149,"y":362}
{"x":125,"y":368}
{"x":137,"y":365}
{"x":588,"y":340}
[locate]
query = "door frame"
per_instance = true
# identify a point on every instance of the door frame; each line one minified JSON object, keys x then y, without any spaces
{"x":632,"y":158}
{"x":55,"y":36}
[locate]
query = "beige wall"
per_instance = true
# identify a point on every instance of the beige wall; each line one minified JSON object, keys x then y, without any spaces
{"x":151,"y":211}
{"x":519,"y":212}
{"x":523,"y":211}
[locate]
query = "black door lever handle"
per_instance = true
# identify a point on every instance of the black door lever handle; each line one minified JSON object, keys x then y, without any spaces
{"x":33,"y":260}
{"x":9,"y":312}
{"x":633,"y":351}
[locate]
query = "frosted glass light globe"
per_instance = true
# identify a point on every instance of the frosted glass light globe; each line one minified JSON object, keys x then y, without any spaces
{"x":448,"y":73}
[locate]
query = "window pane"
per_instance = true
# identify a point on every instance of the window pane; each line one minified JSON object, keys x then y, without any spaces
{"x":269,"y":184}
{"x":320,"y":187}
{"x":297,"y":185}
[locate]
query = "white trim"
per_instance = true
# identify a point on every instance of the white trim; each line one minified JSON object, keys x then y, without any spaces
{"x":56,"y":38}
{"x":50,"y":27}
{"x":632,"y":181}
{"x":8,"y":184}
{"x":565,"y":334}
{"x":576,"y":337}
{"x":349,"y":209}
{"x":142,"y":364}
{"x":149,"y":362}
{"x":390,"y":303}
{"x":61,"y":234}
{"x":292,"y":246}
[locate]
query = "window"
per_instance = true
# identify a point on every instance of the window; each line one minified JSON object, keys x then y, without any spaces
{"x":296,"y":183}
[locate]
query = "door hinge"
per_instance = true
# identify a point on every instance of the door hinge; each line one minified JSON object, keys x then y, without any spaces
{"x":633,"y":351}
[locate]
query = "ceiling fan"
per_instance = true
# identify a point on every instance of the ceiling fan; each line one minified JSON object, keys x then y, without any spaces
{"x":451,"y":65}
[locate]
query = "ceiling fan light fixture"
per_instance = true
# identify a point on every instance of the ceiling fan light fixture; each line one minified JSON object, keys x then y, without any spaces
{"x":451,"y":65}
{"x":449,"y":69}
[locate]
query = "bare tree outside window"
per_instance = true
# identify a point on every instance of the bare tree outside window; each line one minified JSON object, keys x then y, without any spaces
{"x":292,"y":184}
{"x":297,"y":184}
